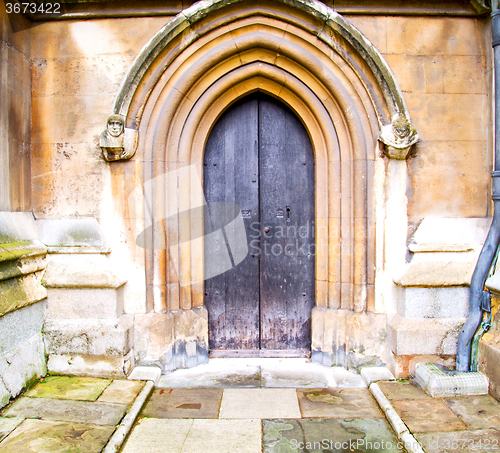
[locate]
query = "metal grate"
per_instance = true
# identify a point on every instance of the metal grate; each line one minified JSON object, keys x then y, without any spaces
{"x":438,"y":382}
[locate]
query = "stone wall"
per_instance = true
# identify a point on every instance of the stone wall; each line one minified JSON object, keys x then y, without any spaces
{"x":15,"y":112}
{"x":22,"y":304}
{"x":443,"y":65}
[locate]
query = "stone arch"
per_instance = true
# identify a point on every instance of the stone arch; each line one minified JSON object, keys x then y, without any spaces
{"x":314,"y":61}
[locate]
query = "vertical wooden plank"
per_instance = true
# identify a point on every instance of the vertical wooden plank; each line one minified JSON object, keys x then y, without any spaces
{"x":231,"y":176}
{"x":287,"y":209}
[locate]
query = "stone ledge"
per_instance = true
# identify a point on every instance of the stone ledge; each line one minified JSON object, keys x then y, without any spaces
{"x":24,"y":265}
{"x":19,"y":367}
{"x":70,"y":232}
{"x":80,"y":250}
{"x":20,"y":292}
{"x":423,"y":336}
{"x":104,"y":366}
{"x":93,"y":337}
{"x":76,"y":271}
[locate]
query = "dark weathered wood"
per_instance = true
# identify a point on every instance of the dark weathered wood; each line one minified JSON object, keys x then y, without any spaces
{"x":231,"y":353}
{"x":231,"y":175}
{"x":259,"y":157}
{"x":287,"y":208}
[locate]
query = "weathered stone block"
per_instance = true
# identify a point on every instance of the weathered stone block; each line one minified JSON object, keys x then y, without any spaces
{"x":4,"y":395}
{"x":328,"y":336}
{"x":16,"y":226}
{"x":154,"y":339}
{"x":21,"y":325}
{"x":434,"y":36}
{"x":366,"y":339}
{"x":449,"y":302}
{"x":191,"y":337}
{"x":19,"y":367}
{"x":489,"y":360}
{"x":107,"y":366}
{"x":423,"y":336}
{"x":112,"y":337}
{"x":69,"y":232}
{"x":80,"y":271}
{"x":20,"y":292}
{"x":98,"y":303}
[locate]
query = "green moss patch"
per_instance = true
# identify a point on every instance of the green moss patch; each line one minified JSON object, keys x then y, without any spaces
{"x":69,"y":387}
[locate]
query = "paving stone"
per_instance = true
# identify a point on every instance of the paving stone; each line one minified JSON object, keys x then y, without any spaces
{"x":224,"y":436}
{"x":328,"y":435}
{"x":402,"y":391}
{"x":7,"y":425}
{"x":66,"y":410}
{"x":69,"y":387}
{"x":483,"y":440}
{"x":259,"y":404}
{"x":296,"y":373}
{"x":41,"y":436}
{"x":476,"y":411}
{"x":218,"y":373}
{"x":338,"y":403}
{"x":188,"y":403}
{"x":431,"y":415}
{"x":152,"y":435}
{"x":146,"y":373}
{"x":376,"y":374}
{"x":347,"y":379}
{"x":121,"y":391}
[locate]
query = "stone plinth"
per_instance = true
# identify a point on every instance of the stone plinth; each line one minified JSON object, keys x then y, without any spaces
{"x":433,"y":292}
{"x":86,"y":331}
{"x":22,"y":304}
{"x":344,"y":338}
{"x":172,"y":340}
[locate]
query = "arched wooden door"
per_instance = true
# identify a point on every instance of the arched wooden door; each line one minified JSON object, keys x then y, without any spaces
{"x":259,"y":157}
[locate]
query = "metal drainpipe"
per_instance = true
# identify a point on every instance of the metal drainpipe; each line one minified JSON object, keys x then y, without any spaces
{"x":492,"y":240}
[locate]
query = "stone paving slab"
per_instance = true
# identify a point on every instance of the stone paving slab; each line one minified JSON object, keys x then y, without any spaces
{"x":338,"y":403}
{"x":189,"y":403}
{"x":225,"y":373}
{"x":478,"y":412}
{"x":7,"y":425}
{"x":294,"y":373}
{"x":42,"y":436}
{"x":121,"y":392}
{"x":431,"y":415}
{"x":483,"y":440}
{"x":328,"y":435}
{"x":67,"y":410}
{"x":152,"y":435}
{"x":259,"y":404}
{"x":402,"y":391}
{"x":69,"y":387}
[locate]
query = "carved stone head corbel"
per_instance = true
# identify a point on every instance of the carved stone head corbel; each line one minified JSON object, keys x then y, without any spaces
{"x":118,"y":142}
{"x":398,"y":137}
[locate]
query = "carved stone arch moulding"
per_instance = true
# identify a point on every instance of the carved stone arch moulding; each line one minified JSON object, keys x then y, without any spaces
{"x":317,"y":63}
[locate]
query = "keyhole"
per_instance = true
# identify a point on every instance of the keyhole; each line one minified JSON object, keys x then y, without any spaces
{"x":288,"y":213}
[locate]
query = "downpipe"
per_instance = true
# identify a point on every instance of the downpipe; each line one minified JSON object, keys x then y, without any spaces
{"x":492,"y":240}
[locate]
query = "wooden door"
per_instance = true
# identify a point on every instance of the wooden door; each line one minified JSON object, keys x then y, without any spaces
{"x":259,"y":157}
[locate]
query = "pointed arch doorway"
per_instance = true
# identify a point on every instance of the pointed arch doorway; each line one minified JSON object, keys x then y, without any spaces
{"x":259,"y":157}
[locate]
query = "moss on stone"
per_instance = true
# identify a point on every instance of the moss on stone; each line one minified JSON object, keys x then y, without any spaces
{"x":69,"y":387}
